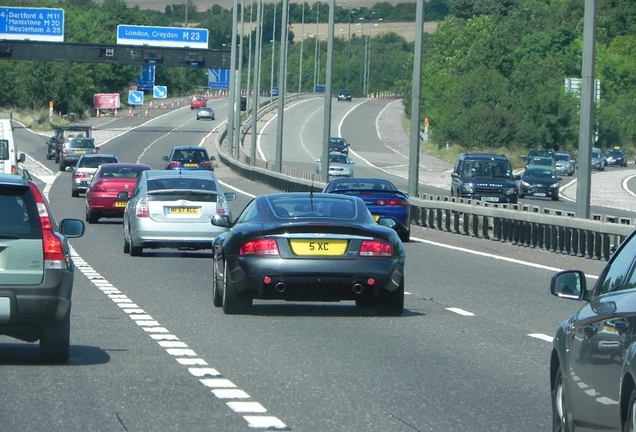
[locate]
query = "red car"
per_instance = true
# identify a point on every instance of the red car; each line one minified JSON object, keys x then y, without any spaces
{"x":108,"y":193}
{"x":197,"y":102}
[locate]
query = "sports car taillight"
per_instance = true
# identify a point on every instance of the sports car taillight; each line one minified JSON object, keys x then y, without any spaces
{"x":391,"y":202}
{"x":261,"y":247}
{"x":375,"y":248}
{"x":51,"y":243}
{"x":142,"y":207}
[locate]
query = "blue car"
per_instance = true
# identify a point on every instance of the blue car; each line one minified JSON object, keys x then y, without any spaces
{"x":189,"y":158}
{"x":381,"y":197}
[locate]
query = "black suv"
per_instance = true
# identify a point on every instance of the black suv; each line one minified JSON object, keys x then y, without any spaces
{"x":485,"y":177}
{"x":340,"y":145}
{"x":37,"y":276}
{"x":189,"y":158}
{"x":344,"y":95}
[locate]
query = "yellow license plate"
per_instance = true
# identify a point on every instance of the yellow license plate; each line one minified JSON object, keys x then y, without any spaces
{"x":324,"y":247}
{"x":120,"y":203}
{"x":183,"y":210}
{"x":80,"y":151}
{"x":376,"y":217}
{"x":189,"y":165}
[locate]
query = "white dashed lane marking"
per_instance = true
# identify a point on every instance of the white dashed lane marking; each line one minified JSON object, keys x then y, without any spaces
{"x":222,"y":388}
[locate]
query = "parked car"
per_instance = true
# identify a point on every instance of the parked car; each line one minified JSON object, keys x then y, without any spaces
{"x":172,"y":209}
{"x":597,"y":161}
{"x":206,"y":113}
{"x":565,"y":163}
{"x":485,"y":177}
{"x":84,"y":170}
{"x":74,"y":148}
{"x":197,"y":102}
{"x":344,"y":95}
{"x":37,"y":270}
{"x":308,"y":247}
{"x":338,"y":144}
{"x":189,"y":158}
{"x":615,"y":157}
{"x":540,"y":181}
{"x":339,"y":165}
{"x":381,"y":197}
{"x":593,"y":360}
{"x":110,"y":188}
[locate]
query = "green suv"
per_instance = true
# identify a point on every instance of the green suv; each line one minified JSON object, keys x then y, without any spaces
{"x":37,"y":270}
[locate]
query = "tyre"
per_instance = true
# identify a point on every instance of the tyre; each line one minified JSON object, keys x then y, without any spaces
{"x":55,"y":343}
{"x":126,"y":246}
{"x":217,"y":297}
{"x":135,"y":250}
{"x":521,"y":195}
{"x":91,"y":217}
{"x":61,"y":167}
{"x":630,"y":419}
{"x":405,"y":237}
{"x":233,"y":303}
{"x":559,"y":405}
{"x":555,"y":198}
{"x":391,"y":305}
{"x":74,"y":193}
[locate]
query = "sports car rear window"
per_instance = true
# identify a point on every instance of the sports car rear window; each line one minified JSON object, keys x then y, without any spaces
{"x":313,"y":208}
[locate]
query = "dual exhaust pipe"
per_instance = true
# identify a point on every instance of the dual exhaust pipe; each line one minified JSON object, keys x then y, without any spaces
{"x":357,"y":287}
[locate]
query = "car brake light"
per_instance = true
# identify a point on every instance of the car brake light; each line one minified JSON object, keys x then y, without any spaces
{"x":51,"y":243}
{"x":222,"y":208}
{"x":79,"y":174}
{"x":375,"y":248}
{"x":65,"y":152}
{"x":206,"y":164}
{"x":261,"y":247}
{"x":99,"y":186}
{"x":142,"y":208}
{"x":14,"y":169}
{"x":175,"y":164}
{"x":391,"y":202}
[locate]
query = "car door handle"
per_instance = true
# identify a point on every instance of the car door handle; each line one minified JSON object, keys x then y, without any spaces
{"x":621,"y":326}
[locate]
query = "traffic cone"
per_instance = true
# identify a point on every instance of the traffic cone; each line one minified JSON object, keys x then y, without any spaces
{"x":115,"y":115}
{"x":172,"y":105}
{"x":130,"y":112}
{"x":150,"y":105}
{"x":146,"y":113}
{"x":97,"y":113}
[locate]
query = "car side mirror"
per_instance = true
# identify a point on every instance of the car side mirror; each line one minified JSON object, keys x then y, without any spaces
{"x":165,"y":158}
{"x":454,"y":175}
{"x":72,"y":228}
{"x":212,"y":158}
{"x":122,"y":195}
{"x":568,"y":284}
{"x":230,"y":196}
{"x":221,"y":221}
{"x":517,"y":177}
{"x":387,"y":222}
{"x":22,"y":158}
{"x":69,"y":168}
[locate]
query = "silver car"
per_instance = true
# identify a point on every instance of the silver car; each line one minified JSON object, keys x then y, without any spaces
{"x":565,"y":163}
{"x":339,"y":165}
{"x":85,"y":169}
{"x":173,"y":209}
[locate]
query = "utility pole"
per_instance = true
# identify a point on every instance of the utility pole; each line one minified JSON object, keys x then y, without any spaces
{"x":416,"y":104}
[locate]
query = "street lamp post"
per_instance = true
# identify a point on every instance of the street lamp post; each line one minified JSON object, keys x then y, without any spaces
{"x":349,"y":46}
{"x":302,"y":40}
{"x":257,"y":80}
{"x":317,"y":46}
{"x":273,"y":41}
{"x":282,"y":78}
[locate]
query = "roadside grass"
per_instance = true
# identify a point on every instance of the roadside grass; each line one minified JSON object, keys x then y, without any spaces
{"x":38,"y":120}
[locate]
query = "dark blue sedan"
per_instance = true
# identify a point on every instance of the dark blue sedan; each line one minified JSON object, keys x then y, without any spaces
{"x":189,"y":158}
{"x":381,"y":197}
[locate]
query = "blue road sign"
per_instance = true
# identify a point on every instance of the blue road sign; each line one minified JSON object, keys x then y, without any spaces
{"x":162,"y":36}
{"x":146,"y":79}
{"x":34,"y":24}
{"x":160,"y":92}
{"x":135,"y":97}
{"x":218,"y":78}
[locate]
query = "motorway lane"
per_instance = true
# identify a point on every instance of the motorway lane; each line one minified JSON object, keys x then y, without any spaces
{"x":313,"y":366}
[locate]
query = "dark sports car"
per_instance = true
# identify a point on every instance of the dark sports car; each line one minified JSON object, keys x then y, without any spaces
{"x":308,"y":247}
{"x":381,"y":197}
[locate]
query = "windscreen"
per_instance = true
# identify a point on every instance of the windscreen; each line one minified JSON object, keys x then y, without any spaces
{"x":313,"y":207}
{"x":122,"y":172}
{"x":95,"y":162}
{"x":181,"y":183}
{"x":19,"y":217}
{"x":192,"y":155}
{"x":80,"y":143}
{"x":562,"y":157}
{"x":486,"y":169}
{"x":540,"y":173}
{"x":4,"y":150}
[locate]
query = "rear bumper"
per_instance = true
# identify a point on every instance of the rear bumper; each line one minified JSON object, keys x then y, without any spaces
{"x":105,"y":204}
{"x":27,"y":309}
{"x":153,"y":234}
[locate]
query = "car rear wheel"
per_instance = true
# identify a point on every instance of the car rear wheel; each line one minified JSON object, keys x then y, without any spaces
{"x":217,"y":297}
{"x":406,"y":236}
{"x":61,"y":167}
{"x":559,"y":406}
{"x":91,"y":217}
{"x":135,"y":250}
{"x":391,"y":305}
{"x":74,"y":193}
{"x":630,"y":419}
{"x":55,"y":343}
{"x":233,"y":303}
{"x":126,"y":246}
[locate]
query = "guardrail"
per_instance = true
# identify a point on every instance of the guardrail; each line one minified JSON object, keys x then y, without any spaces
{"x":524,"y":225}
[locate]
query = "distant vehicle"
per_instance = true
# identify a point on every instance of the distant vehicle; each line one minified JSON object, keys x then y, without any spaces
{"x":338,"y":144}
{"x":484,"y":176}
{"x":85,"y":168}
{"x":597,"y":161}
{"x":197,"y":102}
{"x":344,"y":95}
{"x":275,"y":91}
{"x":381,"y":197}
{"x":37,"y":269}
{"x":542,"y":160}
{"x":206,"y":113}
{"x":615,"y":157}
{"x":9,"y":158}
{"x":539,"y":152}
{"x":73,"y":148}
{"x":307,"y":247}
{"x":108,"y":192}
{"x":63,"y":132}
{"x":339,"y":165}
{"x":172,"y":209}
{"x":189,"y":158}
{"x":565,"y":163}
{"x":540,"y":181}
{"x":593,"y":350}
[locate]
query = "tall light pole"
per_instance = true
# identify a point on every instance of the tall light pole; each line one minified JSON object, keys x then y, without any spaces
{"x":302,"y":40}
{"x":349,"y":46}
{"x":237,"y":98}
{"x":257,"y":80}
{"x":414,"y":148}
{"x":230,"y":113}
{"x":273,"y":41}
{"x":317,"y":45}
{"x":282,"y":78}
{"x":326,"y":131}
{"x":249,"y":57}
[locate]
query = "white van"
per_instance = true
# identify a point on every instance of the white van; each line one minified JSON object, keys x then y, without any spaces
{"x":9,"y":158}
